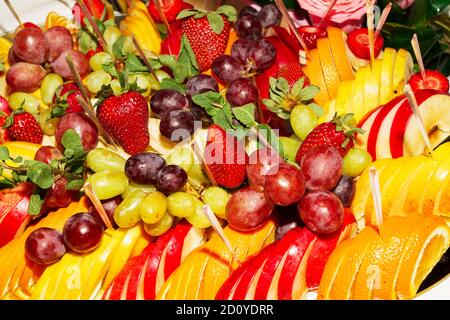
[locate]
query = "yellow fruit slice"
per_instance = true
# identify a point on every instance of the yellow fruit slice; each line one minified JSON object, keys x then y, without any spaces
{"x":371,"y":92}
{"x":358,"y":92}
{"x":330,"y":110}
{"x":344,"y":97}
{"x":387,"y":75}
{"x":376,"y":69}
{"x":442,"y":207}
{"x":429,"y":197}
{"x":346,"y":276}
{"x":337,"y":43}
{"x":402,"y":70}
{"x":424,"y":249}
{"x":313,"y":70}
{"x":330,"y":73}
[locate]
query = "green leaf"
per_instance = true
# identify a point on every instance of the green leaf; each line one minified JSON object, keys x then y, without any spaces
{"x":228,"y":113}
{"x":318,"y":110}
{"x":168,"y":83}
{"x":216,"y":22}
{"x":187,"y":13}
{"x":76,"y":184}
{"x":309,"y":93}
{"x":4,"y":153}
{"x":134,"y":64}
{"x":118,"y":47}
{"x":35,"y":205}
{"x":168,"y":61}
{"x":40,"y":174}
{"x":86,"y":41}
{"x":72,"y":144}
{"x":298,"y":86}
{"x":206,"y":99}
{"x":228,"y":11}
{"x":221,"y":118}
{"x":270,"y":137}
{"x":187,"y":57}
{"x":245,"y":114}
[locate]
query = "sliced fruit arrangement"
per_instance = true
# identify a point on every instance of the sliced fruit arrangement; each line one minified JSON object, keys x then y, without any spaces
{"x":389,"y":263}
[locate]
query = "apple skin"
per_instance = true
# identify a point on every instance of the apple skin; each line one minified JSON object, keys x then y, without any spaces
{"x":137,"y":273}
{"x":119,"y":282}
{"x":175,"y":248}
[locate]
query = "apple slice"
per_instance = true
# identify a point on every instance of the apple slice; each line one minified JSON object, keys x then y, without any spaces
{"x":228,"y":288}
{"x":137,"y":274}
{"x":119,"y":282}
{"x":366,"y":124}
{"x":403,"y":68}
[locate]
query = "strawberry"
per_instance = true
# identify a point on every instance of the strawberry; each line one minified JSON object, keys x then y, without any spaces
{"x":339,"y":133}
{"x":66,"y":98}
{"x":125,"y":118}
{"x":207,"y":33}
{"x":434,"y":80}
{"x":311,"y":34}
{"x":5,"y":111}
{"x":225,"y":158}
{"x":170,"y":8}
{"x":96,"y":8}
{"x":292,"y":72}
{"x":22,"y":126}
{"x":358,"y":42}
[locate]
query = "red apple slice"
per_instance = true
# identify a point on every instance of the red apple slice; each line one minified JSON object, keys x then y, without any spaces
{"x":228,"y":288}
{"x":120,"y":280}
{"x":324,"y":247}
{"x":175,"y":247}
{"x":136,"y":275}
{"x":400,"y":121}
{"x":14,"y":222}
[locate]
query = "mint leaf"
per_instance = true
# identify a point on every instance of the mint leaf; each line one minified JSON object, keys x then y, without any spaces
{"x":40,"y":174}
{"x":72,"y":143}
{"x":215,"y":22}
{"x":270,"y":137}
{"x":245,"y":114}
{"x":228,"y":11}
{"x":35,"y":205}
{"x":168,"y":83}
{"x":76,"y":184}
{"x":133,"y":64}
{"x":187,"y":57}
{"x":4,"y":153}
{"x":118,"y":47}
{"x":221,"y":118}
{"x":86,"y":41}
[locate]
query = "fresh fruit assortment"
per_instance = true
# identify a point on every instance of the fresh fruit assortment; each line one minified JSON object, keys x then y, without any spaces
{"x":193,"y":154}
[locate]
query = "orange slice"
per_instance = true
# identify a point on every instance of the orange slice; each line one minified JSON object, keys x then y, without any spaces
{"x":346,"y":276}
{"x":330,"y":73}
{"x":424,"y":249}
{"x":313,"y":70}
{"x":337,"y":45}
{"x":443,"y":203}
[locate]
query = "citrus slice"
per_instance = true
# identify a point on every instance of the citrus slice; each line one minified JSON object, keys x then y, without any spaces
{"x":344,"y":97}
{"x":442,"y":207}
{"x":429,"y":197}
{"x":402,"y":70}
{"x":371,"y":92}
{"x":313,"y":70}
{"x":342,"y":286}
{"x":425,"y":247}
{"x":387,"y":75}
{"x":358,"y":93}
{"x":337,"y":44}
{"x":330,"y":73}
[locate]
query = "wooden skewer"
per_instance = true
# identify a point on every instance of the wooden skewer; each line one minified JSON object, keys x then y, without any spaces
{"x":98,"y":205}
{"x":370,"y":27}
{"x":197,"y":151}
{"x":419,"y":120}
{"x":327,"y":13}
{"x":285,"y":13}
{"x":376,"y":194}
{"x":78,"y":80}
{"x":218,"y":228}
{"x":14,"y":13}
{"x":144,"y":58}
{"x":162,"y":15}
{"x":383,"y":18}
{"x":416,"y":47}
{"x":94,"y":25}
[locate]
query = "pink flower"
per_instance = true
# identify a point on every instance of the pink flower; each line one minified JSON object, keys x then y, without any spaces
{"x":405,"y":3}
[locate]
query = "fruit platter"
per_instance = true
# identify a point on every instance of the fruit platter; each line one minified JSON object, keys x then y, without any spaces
{"x":229,"y":150}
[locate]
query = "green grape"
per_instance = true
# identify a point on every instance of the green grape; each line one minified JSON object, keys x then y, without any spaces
{"x":154,"y":83}
{"x":115,"y":85}
{"x":97,"y":79}
{"x":217,"y":199}
{"x":111,"y":34}
{"x":127,"y":213}
{"x":161,"y":75}
{"x":108,"y":184}
{"x":25,"y":100}
{"x":142,"y":82}
{"x":47,"y":123}
{"x":183,"y":157}
{"x":134,"y":186}
{"x":355,"y":162}
{"x":153,"y":207}
{"x":181,"y":204}
{"x":103,"y":159}
{"x":49,"y":84}
{"x":199,"y":218}
{"x":303,"y":121}
{"x":290,"y":148}
{"x":99,"y":59}
{"x":161,"y":227}
{"x":197,"y":176}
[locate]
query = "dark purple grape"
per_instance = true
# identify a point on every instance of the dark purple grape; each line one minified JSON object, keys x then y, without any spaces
{"x":242,"y":91}
{"x":262,"y":54}
{"x":249,"y":27}
{"x":345,"y":190}
{"x":201,"y":115}
{"x":177,"y":125}
{"x":45,"y":246}
{"x":31,"y":46}
{"x":82,"y":232}
{"x":167,"y":100}
{"x":199,"y":84}
{"x":240,"y":47}
{"x":269,"y":15}
{"x":58,"y":196}
{"x":287,"y":218}
{"x":82,"y":124}
{"x":227,"y":68}
{"x":143,"y":168}
{"x":248,"y":10}
{"x":171,"y":178}
{"x":59,"y":39}
{"x":110,"y":206}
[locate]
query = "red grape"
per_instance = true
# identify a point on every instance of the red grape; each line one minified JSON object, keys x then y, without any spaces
{"x":45,"y":246}
{"x":248,"y":208}
{"x":82,"y":232}
{"x":61,"y":67}
{"x":345,"y":190}
{"x":30,"y":45}
{"x":321,"y":211}
{"x":285,"y":186}
{"x":249,"y":27}
{"x":82,"y":125}
{"x":25,"y":77}
{"x":227,"y":68}
{"x":12,"y":57}
{"x":248,"y":10}
{"x":242,"y":91}
{"x":199,"y":84}
{"x":167,"y":100}
{"x":171,"y":178}
{"x":110,"y":206}
{"x":269,"y":15}
{"x":143,"y":168}
{"x":58,"y":196}
{"x":259,"y":163}
{"x":59,"y":40}
{"x":240,"y":48}
{"x":47,"y":153}
{"x":177,"y":125}
{"x":322,"y":167}
{"x":262,"y":54}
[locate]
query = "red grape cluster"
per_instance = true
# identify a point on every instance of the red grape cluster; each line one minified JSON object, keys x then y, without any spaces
{"x":34,"y":52}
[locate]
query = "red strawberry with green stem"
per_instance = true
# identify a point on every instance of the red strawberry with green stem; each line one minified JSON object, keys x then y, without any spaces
{"x":207,"y":33}
{"x":66,"y":98}
{"x":22,"y":126}
{"x":170,"y":8}
{"x":225,"y":158}
{"x":125,"y":118}
{"x":292,"y":72}
{"x":310,"y":35}
{"x":339,"y":133}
